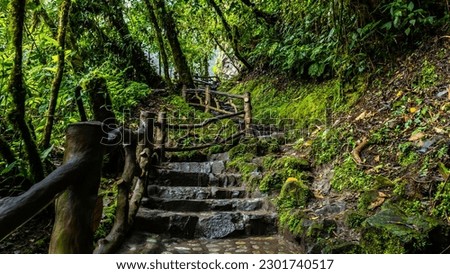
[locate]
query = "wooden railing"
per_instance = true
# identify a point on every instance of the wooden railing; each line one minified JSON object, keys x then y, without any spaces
{"x":224,"y":105}
{"x":73,"y":187}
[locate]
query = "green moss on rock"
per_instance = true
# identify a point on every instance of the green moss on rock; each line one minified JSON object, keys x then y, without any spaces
{"x":294,"y":194}
{"x":393,"y":231}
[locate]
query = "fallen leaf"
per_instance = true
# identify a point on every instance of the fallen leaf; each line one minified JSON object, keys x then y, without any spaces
{"x":377,"y":158}
{"x":448,"y":92}
{"x":317,"y":195}
{"x":378,"y":202}
{"x":308,"y":143}
{"x":382,"y":194}
{"x":361,"y":116}
{"x":439,"y":130}
{"x":416,"y":136}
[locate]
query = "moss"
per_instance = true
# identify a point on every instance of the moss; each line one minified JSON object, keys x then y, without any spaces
{"x":245,"y":147}
{"x":298,"y":106}
{"x":406,"y":154}
{"x":349,"y":176}
{"x":271,"y":181}
{"x":293,"y":194}
{"x":268,"y":161}
{"x":393,"y":230}
{"x":355,"y":219}
{"x":427,"y":77}
{"x":266,"y":146}
{"x":290,"y":162}
{"x":292,"y":219}
{"x":328,"y":144}
{"x":366,"y":198}
{"x":375,"y":241}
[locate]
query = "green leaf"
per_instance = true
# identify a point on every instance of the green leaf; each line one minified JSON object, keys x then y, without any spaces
{"x":46,"y":152}
{"x":52,"y":41}
{"x":8,"y":168}
{"x":410,"y":6}
{"x":407,"y":31}
{"x":387,"y":26}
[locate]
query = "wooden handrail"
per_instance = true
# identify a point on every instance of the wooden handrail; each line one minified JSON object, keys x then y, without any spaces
{"x":79,"y":162}
{"x":205,"y":122}
{"x":180,"y":149}
{"x":237,"y":96}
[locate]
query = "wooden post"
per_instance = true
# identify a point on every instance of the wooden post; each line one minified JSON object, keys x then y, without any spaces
{"x":184,"y":92}
{"x":73,"y":227}
{"x":207,"y":99}
{"x":248,"y":113}
{"x":161,"y":135}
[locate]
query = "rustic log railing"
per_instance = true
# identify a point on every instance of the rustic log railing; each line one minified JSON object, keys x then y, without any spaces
{"x":74,"y":188}
{"x":226,"y":105}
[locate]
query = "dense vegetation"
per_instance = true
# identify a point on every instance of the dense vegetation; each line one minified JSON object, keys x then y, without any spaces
{"x":305,"y":62}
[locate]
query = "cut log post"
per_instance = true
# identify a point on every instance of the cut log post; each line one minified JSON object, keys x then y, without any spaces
{"x":72,"y":230}
{"x":207,"y":100}
{"x":144,"y":154}
{"x":184,"y":92}
{"x":161,"y":136}
{"x":248,"y":113}
{"x":120,"y":228}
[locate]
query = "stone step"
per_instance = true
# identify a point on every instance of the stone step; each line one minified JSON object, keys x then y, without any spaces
{"x":247,"y":204}
{"x":210,"y":225}
{"x":179,"y":178}
{"x":189,"y":193}
{"x":214,"y":167}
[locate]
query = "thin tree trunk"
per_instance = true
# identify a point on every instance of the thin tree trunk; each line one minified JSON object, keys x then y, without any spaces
{"x":16,"y":87}
{"x":42,"y":13}
{"x":135,"y":54}
{"x":63,"y":21}
{"x":179,"y":58}
{"x":80,"y":104}
{"x":229,"y":33}
{"x":160,"y":40}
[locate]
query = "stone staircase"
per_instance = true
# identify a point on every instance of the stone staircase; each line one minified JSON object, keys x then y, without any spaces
{"x":202,"y":200}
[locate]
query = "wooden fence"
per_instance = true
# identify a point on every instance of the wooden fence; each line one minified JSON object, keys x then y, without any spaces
{"x":224,"y":105}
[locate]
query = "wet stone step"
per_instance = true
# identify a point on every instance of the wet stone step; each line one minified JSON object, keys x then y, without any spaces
{"x":205,"y":205}
{"x":212,"y":225}
{"x":196,"y":192}
{"x":178,"y":178}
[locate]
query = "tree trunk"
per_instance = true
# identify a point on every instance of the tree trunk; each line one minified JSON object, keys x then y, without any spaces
{"x":179,"y":58}
{"x":80,"y":104}
{"x":229,"y":33}
{"x":72,"y":231}
{"x":160,"y":40}
{"x":63,"y":21}
{"x":270,"y":19}
{"x":16,"y":87}
{"x":132,"y":50}
{"x":101,"y":104}
{"x":42,"y":13}
{"x":6,"y":152}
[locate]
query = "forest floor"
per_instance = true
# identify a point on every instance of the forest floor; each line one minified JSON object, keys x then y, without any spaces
{"x":400,"y":127}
